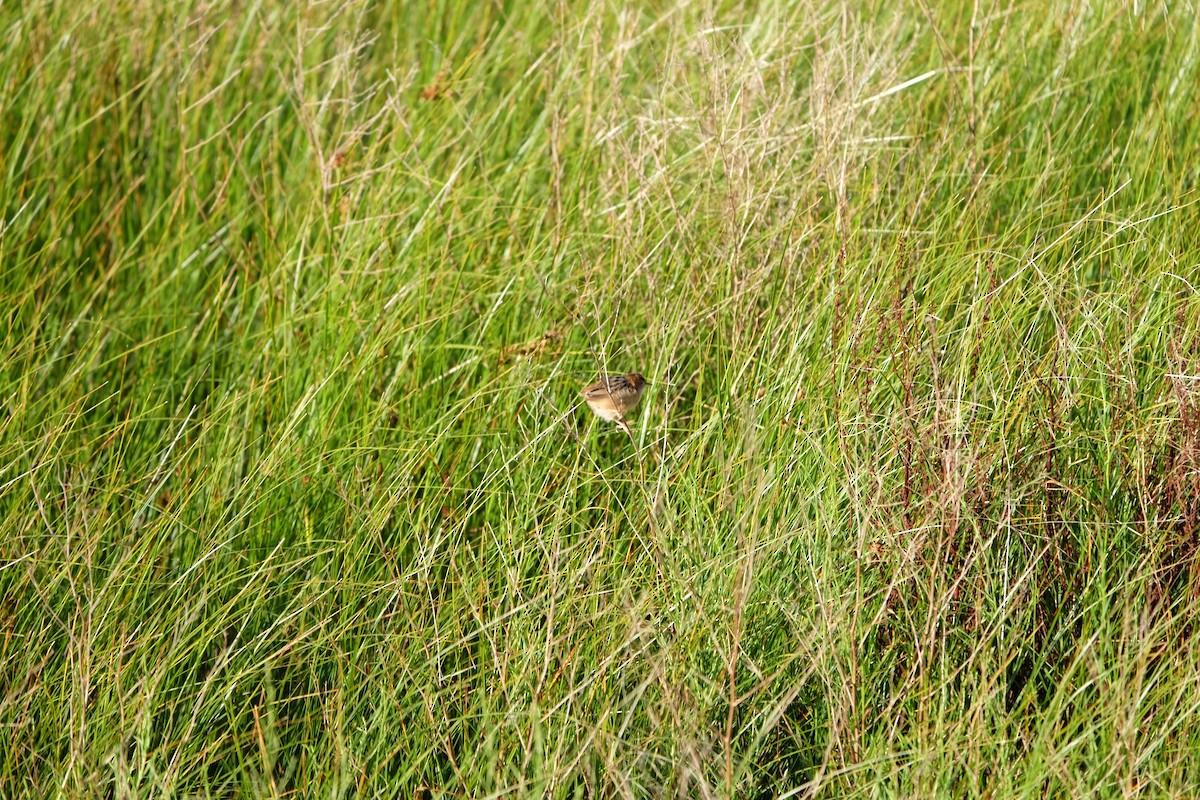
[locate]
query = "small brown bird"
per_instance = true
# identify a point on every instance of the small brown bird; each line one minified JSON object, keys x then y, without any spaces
{"x":613,"y":396}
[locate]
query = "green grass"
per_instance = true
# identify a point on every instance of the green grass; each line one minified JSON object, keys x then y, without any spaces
{"x":298,"y":498}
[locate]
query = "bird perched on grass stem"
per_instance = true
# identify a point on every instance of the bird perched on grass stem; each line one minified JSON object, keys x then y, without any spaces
{"x":613,"y":396}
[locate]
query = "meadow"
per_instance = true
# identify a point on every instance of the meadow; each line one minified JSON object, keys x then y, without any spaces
{"x":298,"y":497}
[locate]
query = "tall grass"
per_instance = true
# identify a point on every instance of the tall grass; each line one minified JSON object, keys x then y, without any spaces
{"x":299,"y":500}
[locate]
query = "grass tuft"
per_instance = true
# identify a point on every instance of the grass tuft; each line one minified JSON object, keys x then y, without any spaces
{"x":299,"y":499}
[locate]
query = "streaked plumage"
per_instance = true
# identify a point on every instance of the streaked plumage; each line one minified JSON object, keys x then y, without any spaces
{"x":613,"y":396}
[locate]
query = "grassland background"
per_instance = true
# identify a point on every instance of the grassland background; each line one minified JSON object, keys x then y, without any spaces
{"x":297,"y":499}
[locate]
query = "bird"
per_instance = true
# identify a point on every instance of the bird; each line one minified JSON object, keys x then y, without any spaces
{"x":613,"y":396}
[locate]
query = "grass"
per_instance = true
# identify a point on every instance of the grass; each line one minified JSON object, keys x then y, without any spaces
{"x":298,"y":497}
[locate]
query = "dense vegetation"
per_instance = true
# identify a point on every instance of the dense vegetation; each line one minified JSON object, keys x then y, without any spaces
{"x":298,"y":497}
